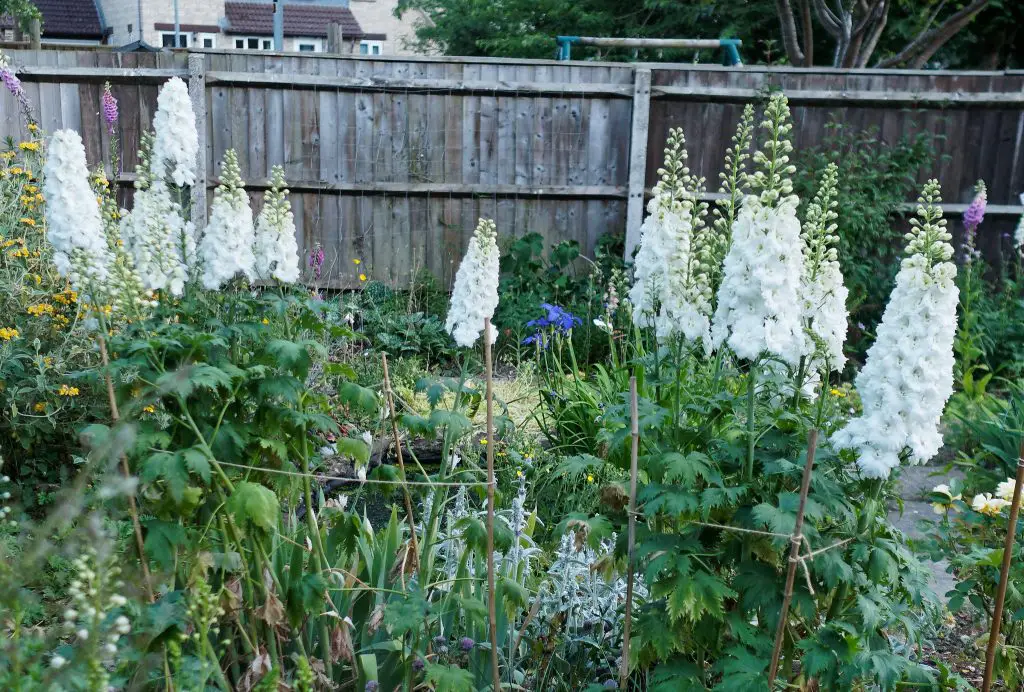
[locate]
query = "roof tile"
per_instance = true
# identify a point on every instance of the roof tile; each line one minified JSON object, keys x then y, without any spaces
{"x":299,"y":20}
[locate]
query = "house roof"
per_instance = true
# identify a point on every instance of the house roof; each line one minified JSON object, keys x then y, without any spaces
{"x":299,"y":20}
{"x":74,"y":19}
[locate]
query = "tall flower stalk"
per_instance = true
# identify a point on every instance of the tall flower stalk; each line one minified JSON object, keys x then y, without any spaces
{"x":277,"y":252}
{"x":226,"y":249}
{"x":176,"y":146}
{"x":732,"y":188}
{"x":908,"y":376}
{"x":475,"y":293}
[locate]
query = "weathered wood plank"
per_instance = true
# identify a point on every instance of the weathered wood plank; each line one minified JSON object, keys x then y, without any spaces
{"x":637,"y":159}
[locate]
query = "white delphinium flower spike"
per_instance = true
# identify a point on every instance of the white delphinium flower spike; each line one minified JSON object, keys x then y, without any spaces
{"x":176,"y":146}
{"x":73,"y":224}
{"x":824,"y":293}
{"x":277,"y":252}
{"x":732,"y":189}
{"x":672,"y":288}
{"x":908,"y":376}
{"x":155,"y":232}
{"x":758,"y":311}
{"x":1018,"y":235}
{"x":227,"y":246}
{"x":475,"y":293}
{"x":127,"y":294}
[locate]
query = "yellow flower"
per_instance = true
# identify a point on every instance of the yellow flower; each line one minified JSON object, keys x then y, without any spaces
{"x":32,"y":127}
{"x":837,"y":392}
{"x":27,"y":221}
{"x":16,"y":170}
{"x":483,"y":441}
{"x":590,"y":478}
{"x":149,"y":409}
{"x":20,"y":252}
{"x":31,"y":189}
{"x":266,"y":321}
{"x":67,"y":391}
{"x":7,"y":155}
{"x":7,"y":333}
{"x":519,"y":473}
{"x":362,"y":277}
{"x":28,"y":146}
{"x":40,"y":309}
{"x":357,"y":261}
{"x":40,"y":407}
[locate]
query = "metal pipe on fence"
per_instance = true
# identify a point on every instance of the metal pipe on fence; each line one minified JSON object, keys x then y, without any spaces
{"x":729,"y":46}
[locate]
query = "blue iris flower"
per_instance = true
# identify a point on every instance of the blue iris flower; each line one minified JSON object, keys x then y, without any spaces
{"x":556,"y":319}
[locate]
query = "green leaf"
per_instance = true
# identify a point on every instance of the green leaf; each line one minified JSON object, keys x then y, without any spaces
{"x":197,"y":462}
{"x":162,"y":539}
{"x":353,"y":448}
{"x":255,"y":504}
{"x":405,"y":615}
{"x":578,"y":465}
{"x":359,"y":398}
{"x":449,"y":678}
{"x":455,"y":424}
{"x":305,"y":597}
{"x":169,"y":468}
{"x":209,"y":377}
{"x":685,"y":469}
{"x":291,"y":355}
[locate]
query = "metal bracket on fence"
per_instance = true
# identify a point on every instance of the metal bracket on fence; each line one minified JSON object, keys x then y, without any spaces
{"x":729,"y":46}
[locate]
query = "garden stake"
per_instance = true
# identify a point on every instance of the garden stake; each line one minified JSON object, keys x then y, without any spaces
{"x":634,"y":453}
{"x":398,"y":451}
{"x":492,"y":613}
{"x":1004,"y":573}
{"x":133,"y":510}
{"x":795,"y":541}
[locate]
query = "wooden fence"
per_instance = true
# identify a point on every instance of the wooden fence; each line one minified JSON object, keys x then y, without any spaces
{"x":392,"y":160}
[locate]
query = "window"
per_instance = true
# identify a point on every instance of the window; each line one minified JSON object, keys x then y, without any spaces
{"x":309,"y":45}
{"x":253,"y":44}
{"x":371,"y":47}
{"x":206,"y":40}
{"x":268,"y":44}
{"x":167,"y":39}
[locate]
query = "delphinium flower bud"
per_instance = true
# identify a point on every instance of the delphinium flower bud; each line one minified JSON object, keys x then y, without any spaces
{"x":759,"y":307}
{"x":176,"y":144}
{"x":227,"y":245}
{"x":277,"y":252}
{"x":475,"y":293}
{"x":908,"y":376}
{"x":732,"y":189}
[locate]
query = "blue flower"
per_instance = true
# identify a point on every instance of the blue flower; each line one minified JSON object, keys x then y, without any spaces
{"x":556,"y":319}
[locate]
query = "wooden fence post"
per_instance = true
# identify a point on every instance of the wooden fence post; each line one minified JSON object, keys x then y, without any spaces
{"x":335,"y":38}
{"x":638,"y":158}
{"x":197,"y":91}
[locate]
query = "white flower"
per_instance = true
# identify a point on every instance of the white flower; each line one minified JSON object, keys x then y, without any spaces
{"x":908,"y":376}
{"x":227,"y":245}
{"x":277,"y":252}
{"x":602,"y":325}
{"x":122,"y":625}
{"x":82,"y":634}
{"x":672,"y":289}
{"x":1004,"y":490}
{"x":340,"y":502}
{"x":58,"y":662}
{"x":475,"y":293}
{"x":759,"y":306}
{"x":73,"y":225}
{"x":1018,"y":236}
{"x":361,"y":473}
{"x":367,"y":438}
{"x":822,"y":290}
{"x":156,"y":234}
{"x":176,"y":146}
{"x":984,"y":503}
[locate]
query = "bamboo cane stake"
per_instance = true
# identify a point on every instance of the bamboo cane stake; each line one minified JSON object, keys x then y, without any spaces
{"x":133,"y":510}
{"x":1004,"y":574}
{"x":634,"y":453}
{"x":389,"y":394}
{"x":492,"y":612}
{"x":795,"y":541}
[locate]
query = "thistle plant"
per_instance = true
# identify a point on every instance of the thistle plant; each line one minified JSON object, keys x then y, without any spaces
{"x":276,"y":251}
{"x":226,"y":249}
{"x":908,"y":376}
{"x":475,"y":293}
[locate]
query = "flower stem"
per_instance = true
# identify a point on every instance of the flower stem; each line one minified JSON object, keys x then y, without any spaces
{"x":748,"y":471}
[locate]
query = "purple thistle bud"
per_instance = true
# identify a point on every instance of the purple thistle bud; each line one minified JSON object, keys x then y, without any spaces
{"x":418,"y":665}
{"x":109,"y":108}
{"x":372,"y":686}
{"x":611,"y":684}
{"x":466,"y":644}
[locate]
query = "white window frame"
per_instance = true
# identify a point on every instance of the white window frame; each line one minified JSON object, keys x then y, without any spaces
{"x":184,"y":35}
{"x":370,"y":46}
{"x":316,"y":44}
{"x":262,"y":42}
{"x":202,"y":36}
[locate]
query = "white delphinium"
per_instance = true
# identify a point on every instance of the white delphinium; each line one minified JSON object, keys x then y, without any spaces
{"x":73,"y":224}
{"x":823,"y":291}
{"x":475,"y":293}
{"x":226,"y":249}
{"x":758,"y":311}
{"x":908,"y":376}
{"x":155,"y":232}
{"x":176,"y":145}
{"x":127,"y":295}
{"x":277,"y":252}
{"x":732,"y":190}
{"x":1018,"y":236}
{"x":672,"y":289}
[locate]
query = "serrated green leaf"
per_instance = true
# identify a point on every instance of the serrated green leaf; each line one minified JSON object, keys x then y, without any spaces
{"x":359,"y":398}
{"x":254,"y":504}
{"x":353,"y":448}
{"x":162,"y":540}
{"x":197,"y":462}
{"x":449,"y":678}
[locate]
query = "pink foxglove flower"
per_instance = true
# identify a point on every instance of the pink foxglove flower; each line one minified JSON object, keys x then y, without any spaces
{"x":973,"y":216}
{"x":109,"y":108}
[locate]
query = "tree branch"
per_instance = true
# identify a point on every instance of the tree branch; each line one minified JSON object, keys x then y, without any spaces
{"x":789,"y":37}
{"x":808,"y":32}
{"x":871,"y":42}
{"x":918,"y":51}
{"x":827,"y":19}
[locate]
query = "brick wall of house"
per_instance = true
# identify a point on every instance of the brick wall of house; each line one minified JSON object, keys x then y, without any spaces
{"x":377,"y":17}
{"x":118,"y":14}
